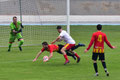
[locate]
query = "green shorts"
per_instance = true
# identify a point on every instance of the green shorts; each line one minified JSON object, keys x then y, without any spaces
{"x":13,"y":37}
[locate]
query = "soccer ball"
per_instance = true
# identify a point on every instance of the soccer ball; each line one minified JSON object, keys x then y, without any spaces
{"x":45,"y":58}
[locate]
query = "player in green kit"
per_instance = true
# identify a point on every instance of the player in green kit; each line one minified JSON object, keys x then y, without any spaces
{"x":16,"y":29}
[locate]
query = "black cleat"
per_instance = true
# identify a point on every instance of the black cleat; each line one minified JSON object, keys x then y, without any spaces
{"x":20,"y":48}
{"x":8,"y":50}
{"x":78,"y":60}
{"x":96,"y":74}
{"x":81,"y":44}
{"x":107,"y":73}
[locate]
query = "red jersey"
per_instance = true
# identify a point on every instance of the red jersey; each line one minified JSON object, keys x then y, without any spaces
{"x":98,"y":38}
{"x":51,"y":48}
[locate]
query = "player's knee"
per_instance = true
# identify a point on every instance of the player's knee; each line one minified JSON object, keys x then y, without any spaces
{"x":94,"y":61}
{"x":22,"y":41}
{"x":102,"y":60}
{"x":63,"y":50}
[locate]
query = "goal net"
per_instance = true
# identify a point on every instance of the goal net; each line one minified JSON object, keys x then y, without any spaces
{"x":39,"y":18}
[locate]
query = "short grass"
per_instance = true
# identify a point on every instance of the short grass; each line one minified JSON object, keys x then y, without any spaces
{"x":16,"y":65}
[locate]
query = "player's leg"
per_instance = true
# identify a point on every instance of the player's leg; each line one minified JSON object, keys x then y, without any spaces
{"x":76,"y":46}
{"x":21,"y":41}
{"x":72,"y":55}
{"x":67,"y":52}
{"x":102,"y":58}
{"x":94,"y":58}
{"x":78,"y":57}
{"x":11,"y":40}
{"x":63,"y":50}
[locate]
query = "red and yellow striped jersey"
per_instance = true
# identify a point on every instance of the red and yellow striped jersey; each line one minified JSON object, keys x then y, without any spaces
{"x":98,"y":38}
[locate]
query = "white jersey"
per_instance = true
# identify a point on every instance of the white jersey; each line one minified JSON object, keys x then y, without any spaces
{"x":66,"y":37}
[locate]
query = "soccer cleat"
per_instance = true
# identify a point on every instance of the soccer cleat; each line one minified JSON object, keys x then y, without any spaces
{"x":81,"y":44}
{"x":66,"y":62}
{"x":96,"y":74}
{"x":78,"y":60}
{"x":107,"y":73}
{"x":8,"y":50}
{"x":20,"y":48}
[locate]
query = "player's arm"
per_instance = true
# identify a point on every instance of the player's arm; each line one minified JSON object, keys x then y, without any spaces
{"x":21,"y":25}
{"x":91,"y":42}
{"x":56,"y":39}
{"x":108,"y":43}
{"x":37,"y":56}
{"x":51,"y":55}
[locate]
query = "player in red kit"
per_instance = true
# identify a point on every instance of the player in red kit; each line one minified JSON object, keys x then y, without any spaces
{"x":55,"y":48}
{"x":98,"y":38}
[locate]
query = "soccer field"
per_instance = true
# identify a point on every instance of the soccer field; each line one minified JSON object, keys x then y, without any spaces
{"x":16,"y":65}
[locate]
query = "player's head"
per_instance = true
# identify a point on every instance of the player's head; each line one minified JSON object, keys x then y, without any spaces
{"x":14,"y":19}
{"x":59,"y":29}
{"x":99,"y":27}
{"x":45,"y":45}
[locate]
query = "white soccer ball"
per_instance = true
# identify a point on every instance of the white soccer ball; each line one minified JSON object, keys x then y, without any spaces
{"x":45,"y":58}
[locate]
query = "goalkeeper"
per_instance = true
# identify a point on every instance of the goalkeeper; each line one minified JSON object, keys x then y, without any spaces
{"x":16,"y":29}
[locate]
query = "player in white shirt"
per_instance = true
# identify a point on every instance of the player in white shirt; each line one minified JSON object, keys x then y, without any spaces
{"x":70,"y":43}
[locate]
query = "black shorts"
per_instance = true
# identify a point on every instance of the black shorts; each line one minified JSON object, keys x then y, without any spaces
{"x":96,"y":55}
{"x":60,"y":47}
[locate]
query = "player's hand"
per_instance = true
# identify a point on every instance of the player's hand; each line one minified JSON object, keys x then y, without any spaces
{"x":34,"y":60}
{"x":85,"y":51}
{"x":114,"y":47}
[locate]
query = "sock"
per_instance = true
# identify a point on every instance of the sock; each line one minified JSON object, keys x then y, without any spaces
{"x":77,"y":55}
{"x":66,"y":58}
{"x":10,"y":45}
{"x":21,"y":43}
{"x":95,"y":67}
{"x":104,"y":65}
{"x":69,"y":54}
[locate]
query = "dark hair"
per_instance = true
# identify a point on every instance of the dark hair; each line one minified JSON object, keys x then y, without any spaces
{"x":44,"y":43}
{"x":99,"y":27}
{"x":59,"y":27}
{"x":14,"y":17}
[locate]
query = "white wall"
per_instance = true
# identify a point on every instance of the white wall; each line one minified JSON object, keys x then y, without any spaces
{"x":61,"y":20}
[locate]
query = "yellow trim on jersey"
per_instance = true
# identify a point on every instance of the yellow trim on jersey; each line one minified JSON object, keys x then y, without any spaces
{"x":66,"y":45}
{"x":98,"y":50}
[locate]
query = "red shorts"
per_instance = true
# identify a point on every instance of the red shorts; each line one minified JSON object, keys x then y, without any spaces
{"x":69,"y":46}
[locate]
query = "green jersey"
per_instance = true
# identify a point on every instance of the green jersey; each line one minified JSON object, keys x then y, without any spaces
{"x":15,"y":27}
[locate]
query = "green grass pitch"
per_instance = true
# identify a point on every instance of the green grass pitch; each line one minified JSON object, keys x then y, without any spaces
{"x":16,"y":65}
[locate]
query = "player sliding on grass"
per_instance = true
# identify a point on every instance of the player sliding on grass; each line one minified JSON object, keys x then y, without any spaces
{"x":98,"y":38}
{"x":54,"y":48}
{"x":69,"y":44}
{"x":15,"y":33}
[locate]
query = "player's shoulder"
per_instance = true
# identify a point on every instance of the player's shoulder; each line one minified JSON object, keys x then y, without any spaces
{"x":18,"y":22}
{"x":52,"y":45}
{"x":11,"y":23}
{"x":63,"y":31}
{"x":99,"y":33}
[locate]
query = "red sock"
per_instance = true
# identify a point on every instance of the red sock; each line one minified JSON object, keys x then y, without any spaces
{"x":65,"y":56}
{"x":77,"y":55}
